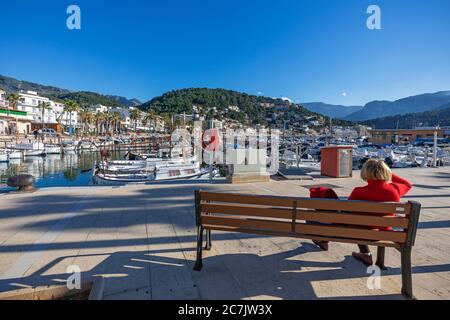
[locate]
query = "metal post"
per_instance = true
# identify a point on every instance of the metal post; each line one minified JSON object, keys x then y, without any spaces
{"x":208,"y":245}
{"x":199,"y":263}
{"x":407,"y":288}
{"x":435,"y":149}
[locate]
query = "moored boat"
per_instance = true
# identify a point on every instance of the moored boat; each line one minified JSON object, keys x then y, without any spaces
{"x":52,"y":149}
{"x":12,"y":154}
{"x":69,"y":148}
{"x":4,"y":156}
{"x":30,"y":149}
{"x":141,"y":171}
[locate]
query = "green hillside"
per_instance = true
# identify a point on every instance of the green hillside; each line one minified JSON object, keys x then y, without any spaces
{"x":58,"y":94}
{"x":221,"y":104}
{"x":86,"y":98}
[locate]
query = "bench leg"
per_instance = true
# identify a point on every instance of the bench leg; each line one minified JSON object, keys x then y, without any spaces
{"x":208,"y":240}
{"x":407,"y":289}
{"x":381,"y":252}
{"x":199,"y":263}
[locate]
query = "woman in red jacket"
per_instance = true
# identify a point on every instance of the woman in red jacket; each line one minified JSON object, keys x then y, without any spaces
{"x":377,"y":175}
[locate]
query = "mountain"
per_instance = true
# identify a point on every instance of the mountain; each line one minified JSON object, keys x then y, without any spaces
{"x":87,"y":98}
{"x":231,"y":105}
{"x":13,"y":85}
{"x":437,"y":117}
{"x":414,"y":104}
{"x":331,"y":110}
{"x":124,"y":101}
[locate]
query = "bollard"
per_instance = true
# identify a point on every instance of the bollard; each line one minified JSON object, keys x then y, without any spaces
{"x":24,"y":182}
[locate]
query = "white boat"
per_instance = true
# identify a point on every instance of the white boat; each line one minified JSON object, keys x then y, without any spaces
{"x":140,"y":171}
{"x":167,"y":175}
{"x":31,"y":149}
{"x":69,"y":148}
{"x":123,"y":166}
{"x":127,"y":166}
{"x":34,"y":153}
{"x":4,"y":156}
{"x":52,"y":149}
{"x":87,"y":146}
{"x":14,"y":154}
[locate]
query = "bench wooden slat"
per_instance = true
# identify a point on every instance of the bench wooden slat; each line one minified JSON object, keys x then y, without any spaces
{"x":353,"y":219}
{"x":302,"y":228}
{"x":355,"y":206}
{"x":271,"y":225}
{"x":348,"y":232}
{"x":389,"y":244}
{"x":247,"y":199}
{"x":235,"y":209}
{"x":362,"y":219}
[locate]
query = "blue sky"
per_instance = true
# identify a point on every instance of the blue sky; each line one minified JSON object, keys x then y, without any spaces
{"x":313,"y":50}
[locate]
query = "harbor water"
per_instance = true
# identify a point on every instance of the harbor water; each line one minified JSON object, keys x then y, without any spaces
{"x":55,"y":170}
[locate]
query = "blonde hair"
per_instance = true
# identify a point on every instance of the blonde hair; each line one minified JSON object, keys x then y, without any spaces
{"x":376,"y":170}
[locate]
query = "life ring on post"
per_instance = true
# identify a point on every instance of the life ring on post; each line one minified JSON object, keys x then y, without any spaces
{"x":211,"y":140}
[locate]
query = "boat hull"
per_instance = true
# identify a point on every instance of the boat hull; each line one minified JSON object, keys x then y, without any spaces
{"x":34,"y":153}
{"x":15,"y":155}
{"x":99,"y":179}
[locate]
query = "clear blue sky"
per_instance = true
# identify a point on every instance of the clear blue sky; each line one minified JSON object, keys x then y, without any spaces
{"x":311,"y":50}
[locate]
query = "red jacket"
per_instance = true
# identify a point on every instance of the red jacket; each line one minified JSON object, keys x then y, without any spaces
{"x":322,"y":193}
{"x":382,"y":191}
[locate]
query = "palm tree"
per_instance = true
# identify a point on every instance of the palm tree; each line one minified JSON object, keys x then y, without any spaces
{"x":44,"y":106}
{"x":150,"y":119}
{"x":13,"y":99}
{"x":99,"y":117}
{"x":84,"y":113}
{"x":71,"y":106}
{"x":168,"y":118}
{"x":135,"y":115}
{"x":117,"y":119}
{"x":89,"y":119}
{"x":108,"y":118}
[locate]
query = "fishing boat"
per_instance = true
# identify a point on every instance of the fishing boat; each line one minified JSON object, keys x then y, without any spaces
{"x":87,"y":146}
{"x":69,"y":148}
{"x":107,"y":176}
{"x":13,"y":154}
{"x":31,"y":149}
{"x":4,"y":156}
{"x":34,"y":153}
{"x":52,"y":149}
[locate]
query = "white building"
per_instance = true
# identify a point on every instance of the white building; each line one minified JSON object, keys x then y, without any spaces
{"x":63,"y":117}
{"x":3,"y":102}
{"x":98,"y":108}
{"x":125,"y":114}
{"x":13,"y":121}
{"x":30,"y":103}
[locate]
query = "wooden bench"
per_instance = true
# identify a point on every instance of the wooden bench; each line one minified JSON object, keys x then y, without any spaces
{"x":357,"y":222}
